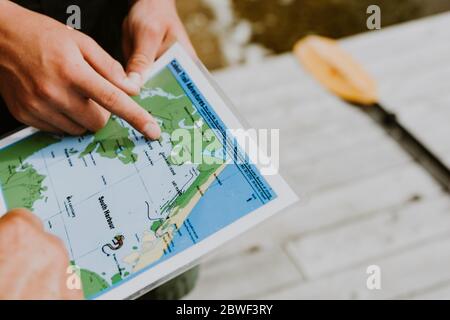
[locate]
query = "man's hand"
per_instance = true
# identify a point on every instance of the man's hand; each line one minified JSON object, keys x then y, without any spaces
{"x":60,"y":80}
{"x":33,"y":263}
{"x":149,"y":29}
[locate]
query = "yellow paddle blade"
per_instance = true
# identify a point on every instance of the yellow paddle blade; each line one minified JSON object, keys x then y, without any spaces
{"x":336,"y":69}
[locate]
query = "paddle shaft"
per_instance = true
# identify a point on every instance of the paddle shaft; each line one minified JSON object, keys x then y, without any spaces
{"x":388,"y":120}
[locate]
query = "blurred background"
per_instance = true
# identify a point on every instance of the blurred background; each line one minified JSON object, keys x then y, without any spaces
{"x":364,"y":201}
{"x":229,"y":32}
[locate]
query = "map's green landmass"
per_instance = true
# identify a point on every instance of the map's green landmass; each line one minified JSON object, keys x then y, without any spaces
{"x":178,"y":113}
{"x":170,"y":112}
{"x":14,"y":155}
{"x":92,"y":283}
{"x":112,"y":142}
{"x":156,"y":225}
{"x":22,"y":185}
{"x":23,"y":188}
{"x":205,"y":172}
{"x":116,"y":278}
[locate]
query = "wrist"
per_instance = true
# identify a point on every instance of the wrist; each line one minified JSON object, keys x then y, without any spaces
{"x":6,"y":8}
{"x":11,"y":15}
{"x":8,"y":11}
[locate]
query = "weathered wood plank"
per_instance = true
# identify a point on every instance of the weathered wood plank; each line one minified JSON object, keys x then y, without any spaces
{"x":409,"y":271}
{"x":383,"y":234}
{"x":440,"y":291}
{"x":363,"y":159}
{"x":250,"y":272}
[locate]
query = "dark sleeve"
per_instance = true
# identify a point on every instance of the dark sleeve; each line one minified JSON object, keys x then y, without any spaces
{"x":7,"y":121}
{"x":100,"y":19}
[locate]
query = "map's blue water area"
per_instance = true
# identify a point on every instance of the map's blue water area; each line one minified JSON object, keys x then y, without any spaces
{"x":226,"y":200}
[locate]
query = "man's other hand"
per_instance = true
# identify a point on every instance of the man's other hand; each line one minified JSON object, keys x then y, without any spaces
{"x":33,"y":263}
{"x":148,"y":31}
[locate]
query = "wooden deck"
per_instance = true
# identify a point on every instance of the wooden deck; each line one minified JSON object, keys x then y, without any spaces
{"x":365,"y":201}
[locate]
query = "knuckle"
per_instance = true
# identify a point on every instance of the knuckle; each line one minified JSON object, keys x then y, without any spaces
{"x":139,"y":59}
{"x":76,"y":131}
{"x":70,"y":127}
{"x":44,"y":90}
{"x":153,"y":29}
{"x":67,"y":71}
{"x":138,"y":119}
{"x":32,"y":105}
{"x":79,"y":131}
{"x":110,"y":98}
{"x":67,"y":108}
{"x":87,"y":40}
{"x":115,"y":67}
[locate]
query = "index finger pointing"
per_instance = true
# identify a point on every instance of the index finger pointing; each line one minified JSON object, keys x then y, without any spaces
{"x":95,"y":87}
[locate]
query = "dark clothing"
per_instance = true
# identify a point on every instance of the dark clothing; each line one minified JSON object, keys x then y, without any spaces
{"x":100,"y":19}
{"x":7,"y":122}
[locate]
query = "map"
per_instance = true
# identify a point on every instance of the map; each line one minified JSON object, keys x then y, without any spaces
{"x":121,"y":203}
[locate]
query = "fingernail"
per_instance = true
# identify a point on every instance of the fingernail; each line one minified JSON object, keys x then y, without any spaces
{"x":152,"y":131}
{"x":134,"y":80}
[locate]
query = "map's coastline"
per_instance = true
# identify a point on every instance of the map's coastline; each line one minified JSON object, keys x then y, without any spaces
{"x":153,"y":248}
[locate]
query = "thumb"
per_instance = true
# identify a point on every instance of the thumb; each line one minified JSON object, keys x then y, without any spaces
{"x":146,"y":45}
{"x":106,"y":66}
